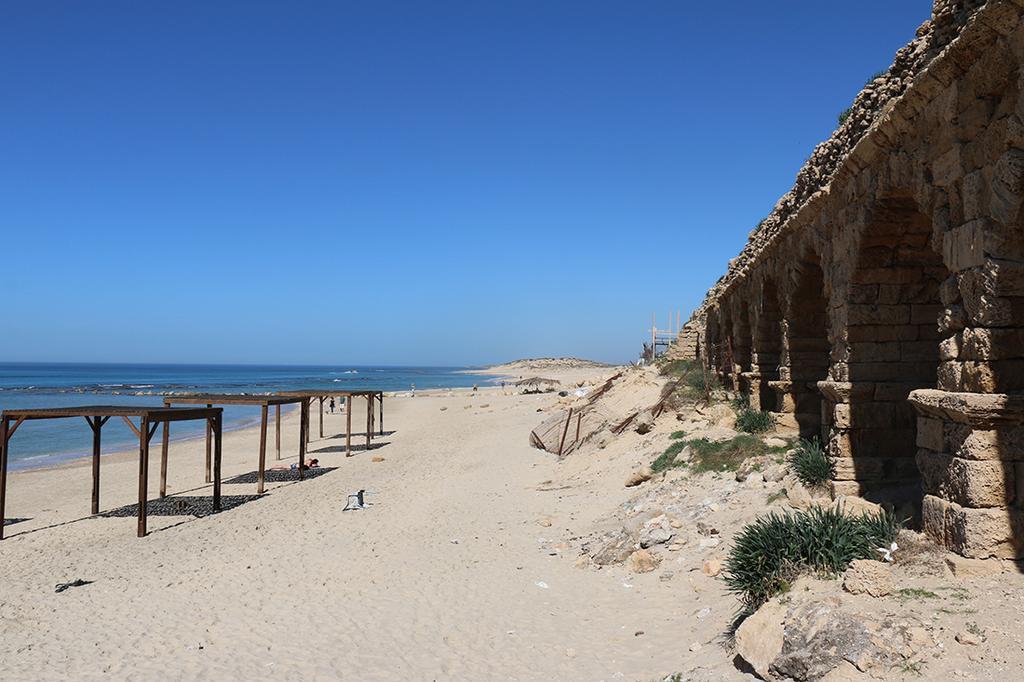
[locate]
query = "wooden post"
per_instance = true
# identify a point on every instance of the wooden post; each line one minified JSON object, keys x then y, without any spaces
{"x":3,"y":472}
{"x":382,"y":413}
{"x":369,"y":420}
{"x":208,"y":444}
{"x":565,"y":432}
{"x":218,"y":430}
{"x":579,"y":421}
{"x":96,"y":425}
{"x":277,"y":433}
{"x":348,"y":426}
{"x":321,"y":416}
{"x":163,"y":458}
{"x":303,"y":437}
{"x":263,"y":447}
{"x":143,"y":474}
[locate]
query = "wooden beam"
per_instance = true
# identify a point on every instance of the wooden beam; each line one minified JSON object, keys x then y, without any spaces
{"x":12,"y":429}
{"x":263,"y":448}
{"x":4,"y":439}
{"x":303,"y":436}
{"x":218,"y":426}
{"x":97,"y":428}
{"x":143,"y":476}
{"x":277,"y":427}
{"x":565,"y":432}
{"x":132,"y":426}
{"x":321,"y":416}
{"x":369,"y":421}
{"x":163,"y":458}
{"x":209,"y":445}
{"x":348,"y":426}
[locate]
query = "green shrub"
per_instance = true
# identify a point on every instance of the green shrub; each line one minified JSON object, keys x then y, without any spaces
{"x":676,"y":435}
{"x":770,"y":552}
{"x":750,"y":420}
{"x":845,"y":114}
{"x":810,"y":464}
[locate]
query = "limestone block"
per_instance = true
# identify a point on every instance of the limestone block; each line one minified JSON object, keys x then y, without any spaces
{"x":947,"y":168}
{"x":877,"y":352}
{"x":925,"y":314}
{"x":919,"y":350}
{"x":964,"y":247}
{"x":973,"y":192}
{"x":984,"y":533}
{"x":968,"y":482}
{"x":1007,"y":186}
{"x":952,"y":318}
{"x":949,"y":349}
{"x":930,"y":434}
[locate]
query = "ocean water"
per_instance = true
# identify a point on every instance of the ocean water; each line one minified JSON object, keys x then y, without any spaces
{"x":47,"y":442}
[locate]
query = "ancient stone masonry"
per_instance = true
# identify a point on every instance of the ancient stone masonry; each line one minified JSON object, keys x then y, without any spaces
{"x":880,"y":307}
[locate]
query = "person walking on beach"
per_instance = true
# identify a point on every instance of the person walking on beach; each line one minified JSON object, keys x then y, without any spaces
{"x":332,"y":405}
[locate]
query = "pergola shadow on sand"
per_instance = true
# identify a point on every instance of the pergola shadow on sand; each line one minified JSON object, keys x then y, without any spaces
{"x":96,"y":416}
{"x":263,"y":402}
{"x":372,"y":397}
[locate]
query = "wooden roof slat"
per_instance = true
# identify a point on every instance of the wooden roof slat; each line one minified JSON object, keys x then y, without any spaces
{"x":156,"y":413}
{"x":231,"y":399}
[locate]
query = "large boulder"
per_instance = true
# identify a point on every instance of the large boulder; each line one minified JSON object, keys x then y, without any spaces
{"x":759,"y":638}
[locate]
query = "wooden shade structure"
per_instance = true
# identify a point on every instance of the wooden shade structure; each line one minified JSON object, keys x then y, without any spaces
{"x":98,"y":415}
{"x":372,"y":397}
{"x":264,"y":402}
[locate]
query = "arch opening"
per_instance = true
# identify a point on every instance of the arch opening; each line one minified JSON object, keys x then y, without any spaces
{"x":808,"y":347}
{"x":893,"y":349}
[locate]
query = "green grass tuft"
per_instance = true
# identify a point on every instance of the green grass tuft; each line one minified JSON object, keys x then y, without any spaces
{"x":667,"y":459}
{"x":770,"y":552}
{"x":811,"y":465}
{"x":906,"y":593}
{"x":676,"y":435}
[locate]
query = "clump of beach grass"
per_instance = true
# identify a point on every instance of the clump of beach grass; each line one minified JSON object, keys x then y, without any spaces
{"x":811,"y":464}
{"x":773,"y":550}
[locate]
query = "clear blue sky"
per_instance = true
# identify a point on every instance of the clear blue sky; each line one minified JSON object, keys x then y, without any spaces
{"x":400,"y":183}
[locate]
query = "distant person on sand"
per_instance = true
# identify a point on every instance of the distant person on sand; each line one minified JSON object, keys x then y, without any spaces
{"x":332,"y":405}
{"x":413,"y":390}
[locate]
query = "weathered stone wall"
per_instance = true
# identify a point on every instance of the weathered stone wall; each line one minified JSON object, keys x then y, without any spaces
{"x":880,"y":307}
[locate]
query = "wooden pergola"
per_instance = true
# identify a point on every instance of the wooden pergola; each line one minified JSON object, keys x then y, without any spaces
{"x":98,"y":415}
{"x":372,"y":397}
{"x":263,"y":402}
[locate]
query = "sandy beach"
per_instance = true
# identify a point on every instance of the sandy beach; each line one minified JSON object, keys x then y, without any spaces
{"x":448,"y":575}
{"x":479,"y":557}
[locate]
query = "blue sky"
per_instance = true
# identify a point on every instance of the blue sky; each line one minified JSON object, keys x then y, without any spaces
{"x":400,"y":183}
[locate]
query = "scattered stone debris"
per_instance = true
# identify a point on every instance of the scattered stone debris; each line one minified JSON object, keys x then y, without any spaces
{"x":642,"y":561}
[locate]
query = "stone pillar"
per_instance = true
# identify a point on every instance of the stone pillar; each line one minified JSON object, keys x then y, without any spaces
{"x":863,"y":421}
{"x":971,"y":457}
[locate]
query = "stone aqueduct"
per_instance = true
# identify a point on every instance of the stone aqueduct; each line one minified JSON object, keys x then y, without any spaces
{"x":880,"y":307}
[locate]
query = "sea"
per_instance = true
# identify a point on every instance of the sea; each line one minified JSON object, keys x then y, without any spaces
{"x":49,"y":442}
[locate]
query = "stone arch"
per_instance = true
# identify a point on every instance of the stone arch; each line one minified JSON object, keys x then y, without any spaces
{"x":807,"y":345}
{"x":712,"y":336}
{"x":768,"y":346}
{"x":892,"y":336}
{"x":724,"y":368}
{"x":741,"y":346}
